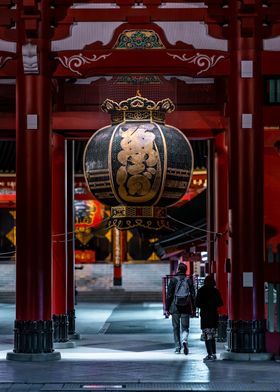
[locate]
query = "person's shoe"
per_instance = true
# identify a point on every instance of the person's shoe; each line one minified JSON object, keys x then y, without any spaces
{"x":177,"y":350}
{"x":186,"y":348}
{"x":208,"y":358}
{"x":214,"y":356}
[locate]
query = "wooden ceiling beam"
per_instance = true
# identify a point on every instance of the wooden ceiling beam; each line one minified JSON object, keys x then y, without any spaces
{"x":202,"y":124}
{"x":134,"y":1}
{"x":164,"y":62}
{"x":195,"y":124}
{"x":125,"y":13}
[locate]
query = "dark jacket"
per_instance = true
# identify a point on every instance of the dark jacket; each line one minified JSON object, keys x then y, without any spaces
{"x":170,"y":306}
{"x":208,"y":299}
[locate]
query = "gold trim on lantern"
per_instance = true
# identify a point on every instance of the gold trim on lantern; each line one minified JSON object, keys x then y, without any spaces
{"x":138,"y":211}
{"x":138,"y":108}
{"x":128,"y":217}
{"x":110,"y":164}
{"x":128,"y":224}
{"x":164,"y":171}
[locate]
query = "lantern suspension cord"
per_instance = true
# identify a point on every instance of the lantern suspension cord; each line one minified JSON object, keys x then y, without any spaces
{"x":73,"y":232}
{"x":182,"y":235}
{"x":61,"y":234}
{"x":192,"y":240}
{"x":71,"y":239}
{"x":218,"y":234}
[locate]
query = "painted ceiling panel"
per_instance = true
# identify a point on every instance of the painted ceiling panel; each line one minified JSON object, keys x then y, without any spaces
{"x":84,"y":33}
{"x":183,"y":5}
{"x":193,"y":33}
{"x":164,"y":5}
{"x":8,"y":46}
{"x":272,"y":44}
{"x":95,"y":5}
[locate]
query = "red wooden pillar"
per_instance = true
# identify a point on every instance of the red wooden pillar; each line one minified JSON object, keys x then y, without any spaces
{"x":70,"y":242}
{"x":59,"y":235}
{"x":221,"y":228}
{"x":33,"y":325}
{"x":246,"y":227}
{"x":209,"y":266}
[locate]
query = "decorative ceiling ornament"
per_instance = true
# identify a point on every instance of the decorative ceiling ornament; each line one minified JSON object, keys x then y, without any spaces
{"x":139,"y":39}
{"x":76,"y":61}
{"x":4,"y":59}
{"x":30,"y":59}
{"x":138,"y":165}
{"x":201,"y":60}
{"x":137,"y":79}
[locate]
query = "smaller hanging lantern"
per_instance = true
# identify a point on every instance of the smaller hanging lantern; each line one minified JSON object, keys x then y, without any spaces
{"x":138,"y":165}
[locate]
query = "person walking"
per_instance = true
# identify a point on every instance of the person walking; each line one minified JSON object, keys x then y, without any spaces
{"x":180,"y":313}
{"x":209,"y":299}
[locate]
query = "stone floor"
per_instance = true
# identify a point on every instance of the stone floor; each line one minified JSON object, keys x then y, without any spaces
{"x":129,"y":347}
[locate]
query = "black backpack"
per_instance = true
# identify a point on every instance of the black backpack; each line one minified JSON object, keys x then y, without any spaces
{"x":182,"y":294}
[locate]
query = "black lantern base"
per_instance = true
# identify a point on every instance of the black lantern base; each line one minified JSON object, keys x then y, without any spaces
{"x":246,"y":336}
{"x":33,"y":336}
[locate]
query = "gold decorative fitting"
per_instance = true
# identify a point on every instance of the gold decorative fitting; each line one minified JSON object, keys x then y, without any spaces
{"x":128,"y":224}
{"x":138,"y":212}
{"x":138,"y":108}
{"x":128,"y":217}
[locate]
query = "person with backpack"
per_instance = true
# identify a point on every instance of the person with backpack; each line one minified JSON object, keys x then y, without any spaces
{"x":180,"y":303}
{"x":209,"y":299}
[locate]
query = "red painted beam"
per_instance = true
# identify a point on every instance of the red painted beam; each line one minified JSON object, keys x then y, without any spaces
{"x":126,"y":13}
{"x":271,"y":116}
{"x":191,"y":62}
{"x":270,"y":63}
{"x":7,"y":124}
{"x":271,"y":136}
{"x":119,"y":2}
{"x":164,"y":61}
{"x":167,"y":61}
{"x":203,"y":124}
{"x":271,"y":272}
{"x":196,"y":124}
{"x":7,"y":64}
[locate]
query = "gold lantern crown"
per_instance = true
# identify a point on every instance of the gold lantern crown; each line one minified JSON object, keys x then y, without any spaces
{"x":138,"y":108}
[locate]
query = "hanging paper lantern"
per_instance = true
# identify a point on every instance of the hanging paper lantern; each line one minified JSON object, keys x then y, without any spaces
{"x":88,"y":213}
{"x":138,"y":165}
